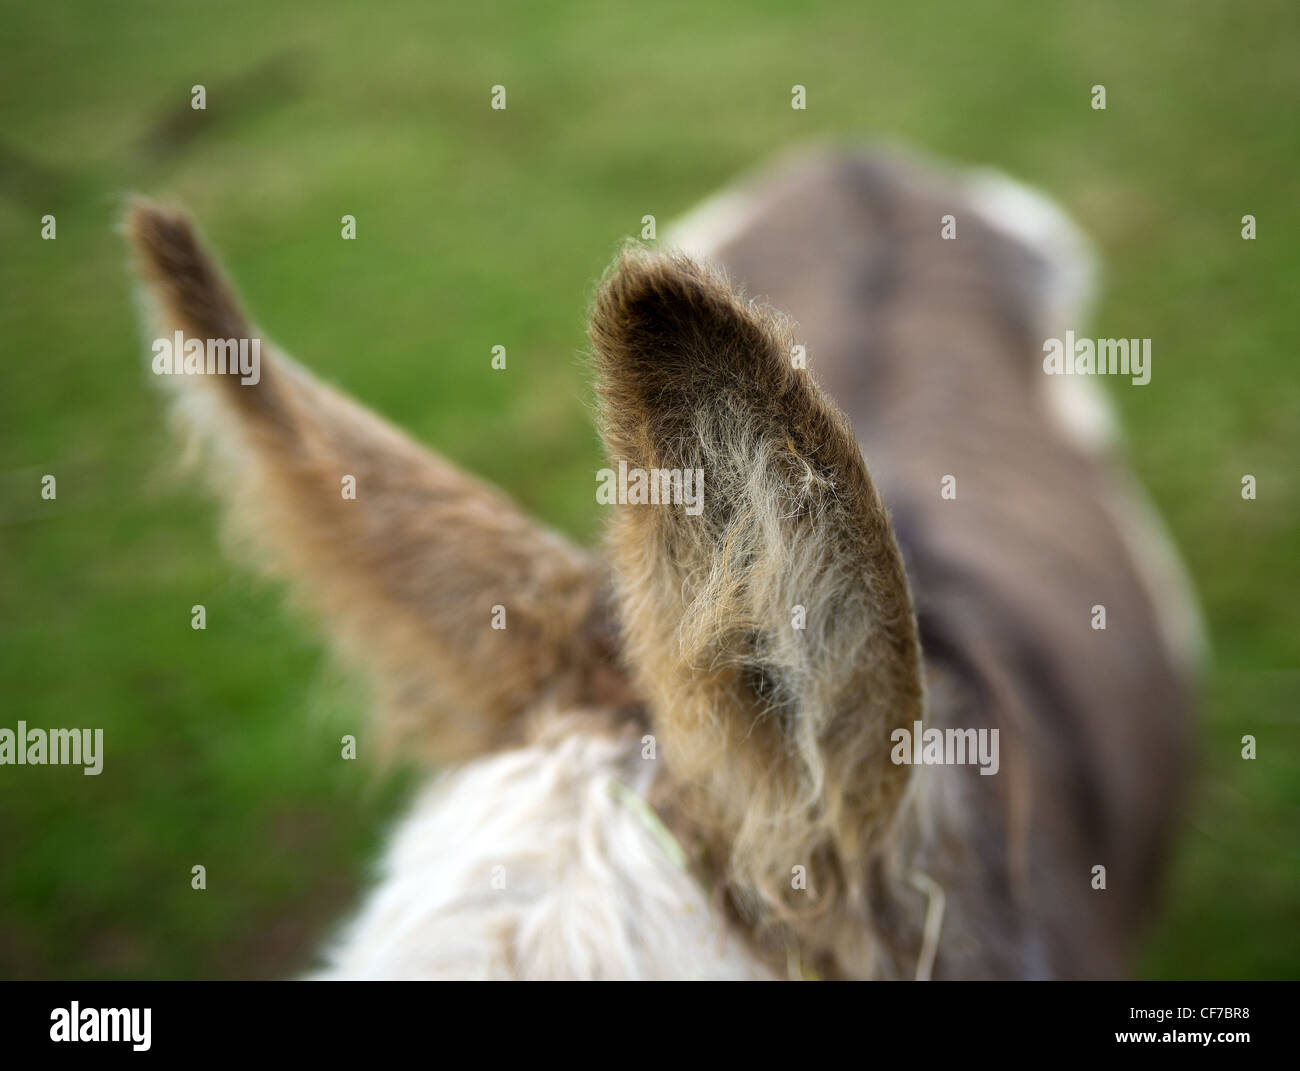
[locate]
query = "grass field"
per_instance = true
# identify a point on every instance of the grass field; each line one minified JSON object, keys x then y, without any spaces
{"x":478,"y":227}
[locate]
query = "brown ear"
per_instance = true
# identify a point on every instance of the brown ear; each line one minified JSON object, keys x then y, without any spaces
{"x":781,"y":733}
{"x":407,"y":573}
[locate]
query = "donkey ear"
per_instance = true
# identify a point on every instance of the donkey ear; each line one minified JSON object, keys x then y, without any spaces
{"x":773,"y":633}
{"x":411,"y":572}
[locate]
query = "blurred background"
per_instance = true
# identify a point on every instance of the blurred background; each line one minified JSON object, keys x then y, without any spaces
{"x":477,"y":227}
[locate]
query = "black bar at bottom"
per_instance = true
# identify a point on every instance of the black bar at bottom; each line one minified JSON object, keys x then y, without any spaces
{"x":679,"y":1021}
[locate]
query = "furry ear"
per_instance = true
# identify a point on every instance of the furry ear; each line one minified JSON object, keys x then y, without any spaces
{"x":406,"y":573}
{"x":773,"y":633}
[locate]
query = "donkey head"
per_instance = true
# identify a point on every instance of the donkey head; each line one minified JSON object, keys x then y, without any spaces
{"x":766,"y":642}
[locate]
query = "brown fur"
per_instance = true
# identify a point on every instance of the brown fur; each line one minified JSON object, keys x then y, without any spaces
{"x":407,"y":574}
{"x":775,"y":741}
{"x":777,"y":737}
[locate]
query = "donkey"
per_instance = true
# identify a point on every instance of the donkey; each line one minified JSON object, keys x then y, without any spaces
{"x":688,"y":755}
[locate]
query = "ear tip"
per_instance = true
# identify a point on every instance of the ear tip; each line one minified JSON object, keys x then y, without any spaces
{"x":175,"y":266}
{"x":144,"y":214}
{"x":642,"y":278}
{"x":673,"y":335}
{"x":160,"y":233}
{"x":651,"y":299}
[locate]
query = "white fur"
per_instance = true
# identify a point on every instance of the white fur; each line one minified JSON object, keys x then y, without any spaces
{"x":714,"y":223}
{"x":590,"y":890}
{"x":1036,"y":222}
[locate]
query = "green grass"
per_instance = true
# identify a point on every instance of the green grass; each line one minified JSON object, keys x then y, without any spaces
{"x":479,"y":227}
